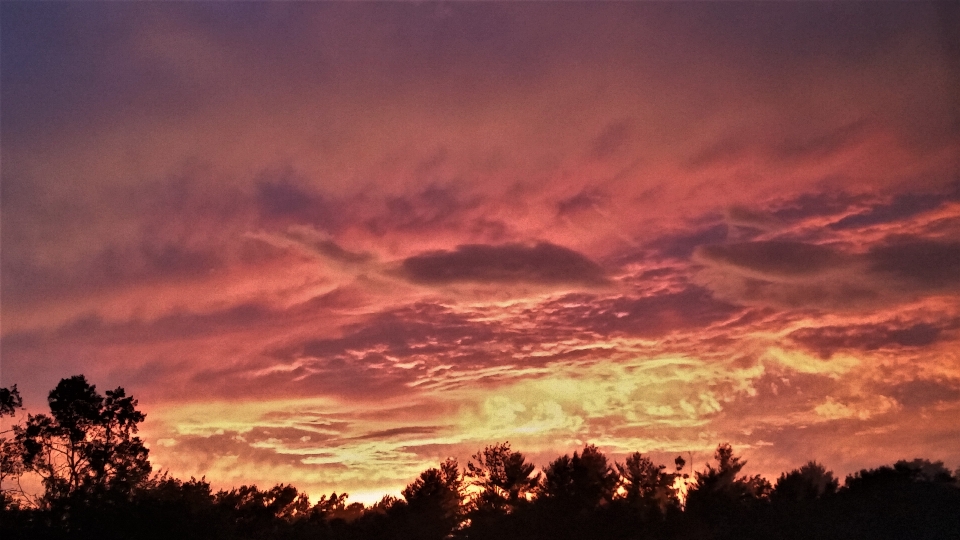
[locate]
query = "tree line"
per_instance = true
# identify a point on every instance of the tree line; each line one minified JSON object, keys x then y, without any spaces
{"x":98,"y":484}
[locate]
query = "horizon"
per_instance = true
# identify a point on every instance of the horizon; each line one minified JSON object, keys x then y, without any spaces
{"x":332,"y":244}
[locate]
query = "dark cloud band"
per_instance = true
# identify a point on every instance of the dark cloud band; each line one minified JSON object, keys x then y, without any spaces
{"x":509,"y":263}
{"x":774,"y":258}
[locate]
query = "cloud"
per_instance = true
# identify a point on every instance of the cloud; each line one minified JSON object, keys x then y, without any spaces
{"x":411,"y":330}
{"x":924,"y":392}
{"x":331,"y":249}
{"x":111,"y":268}
{"x":827,"y":339}
{"x":800,"y":362}
{"x":93,"y":328}
{"x":363,"y":376}
{"x":862,"y":408}
{"x":585,"y":200}
{"x":836,"y":275}
{"x":816,"y":204}
{"x":723,"y":151}
{"x":284,"y":199}
{"x":902,"y":206}
{"x":310,"y":241}
{"x":265,"y":204}
{"x":924,"y":264}
{"x":541,"y":263}
{"x":610,"y":141}
{"x":650,"y":316}
{"x":683,"y":245}
{"x":822,"y":145}
{"x":774,"y":258}
{"x":431,"y":209}
{"x":744,"y":217}
{"x":400,"y":431}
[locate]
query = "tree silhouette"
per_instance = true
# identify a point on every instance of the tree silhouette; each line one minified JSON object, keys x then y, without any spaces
{"x":335,"y":507}
{"x":503,"y":476}
{"x":259,"y":513}
{"x":723,"y":481}
{"x":803,"y":504}
{"x":87,"y":444}
{"x":253,"y":505}
{"x":807,"y":483}
{"x":916,"y":499}
{"x":721,"y":500}
{"x":583,"y":481}
{"x":11,"y":464}
{"x":646,"y":485}
{"x":433,"y":506}
{"x":10,"y":401}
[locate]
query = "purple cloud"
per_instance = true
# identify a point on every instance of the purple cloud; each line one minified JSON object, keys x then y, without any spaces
{"x":542,"y":263}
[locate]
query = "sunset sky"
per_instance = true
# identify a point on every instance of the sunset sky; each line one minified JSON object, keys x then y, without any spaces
{"x":331,"y":244}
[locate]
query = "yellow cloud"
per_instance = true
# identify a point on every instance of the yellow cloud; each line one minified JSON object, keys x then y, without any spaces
{"x":831,"y":409}
{"x":802,"y":362}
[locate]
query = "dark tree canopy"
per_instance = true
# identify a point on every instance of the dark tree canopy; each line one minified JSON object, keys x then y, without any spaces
{"x":87,"y":443}
{"x":723,"y":481}
{"x":504,"y":477}
{"x":807,"y":483}
{"x":434,"y":502}
{"x":648,"y":485}
{"x":11,"y":464}
{"x":584,"y":480}
{"x":10,"y":401}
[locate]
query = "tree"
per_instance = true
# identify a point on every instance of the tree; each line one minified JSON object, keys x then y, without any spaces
{"x":911,"y":499}
{"x":256,"y":513}
{"x":647,"y":485}
{"x":10,"y":401}
{"x":11,"y":465}
{"x":723,"y":501}
{"x":582,"y":481}
{"x":723,"y":481}
{"x":434,"y":502}
{"x":808,"y":483}
{"x":335,"y":507}
{"x":504,"y":478}
{"x":87,"y":444}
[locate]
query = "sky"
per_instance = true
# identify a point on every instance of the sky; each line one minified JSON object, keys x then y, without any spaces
{"x":332,"y":244}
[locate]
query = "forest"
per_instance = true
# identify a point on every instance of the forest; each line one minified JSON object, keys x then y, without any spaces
{"x":98,"y":483}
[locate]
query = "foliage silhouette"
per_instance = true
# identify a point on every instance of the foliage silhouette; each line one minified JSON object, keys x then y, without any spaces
{"x":11,"y":464}
{"x":506,"y":482}
{"x":805,"y":484}
{"x":504,"y":478}
{"x":433,"y":505}
{"x":646,"y":485}
{"x":10,"y":401}
{"x":87,"y":444}
{"x":721,"y":500}
{"x":582,"y":481}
